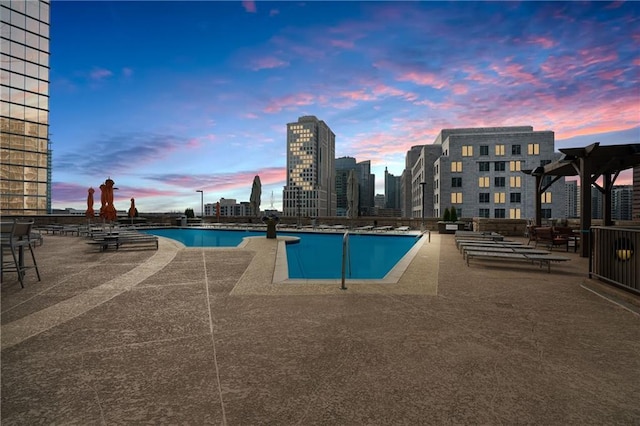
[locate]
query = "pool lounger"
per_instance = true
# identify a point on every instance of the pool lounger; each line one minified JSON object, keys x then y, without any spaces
{"x":128,"y":240}
{"x":533,"y":258}
{"x":521,"y":250}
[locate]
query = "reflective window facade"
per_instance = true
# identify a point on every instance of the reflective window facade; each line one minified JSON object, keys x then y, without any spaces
{"x":25,"y":166}
{"x":310,"y":189}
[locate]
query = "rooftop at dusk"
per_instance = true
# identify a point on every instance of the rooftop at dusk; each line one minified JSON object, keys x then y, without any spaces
{"x":169,"y":97}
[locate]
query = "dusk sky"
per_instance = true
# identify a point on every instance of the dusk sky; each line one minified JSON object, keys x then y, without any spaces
{"x":170,"y":97}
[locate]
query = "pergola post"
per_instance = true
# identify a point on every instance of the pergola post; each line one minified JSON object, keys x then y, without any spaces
{"x":585,"y":204}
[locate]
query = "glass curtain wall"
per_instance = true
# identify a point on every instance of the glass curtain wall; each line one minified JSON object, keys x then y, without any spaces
{"x":24,"y":119}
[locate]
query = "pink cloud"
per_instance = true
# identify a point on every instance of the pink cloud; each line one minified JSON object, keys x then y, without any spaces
{"x":423,"y":79}
{"x":100,"y":74}
{"x":345,"y":44}
{"x":295,"y":100}
{"x":268,"y":63}
{"x":545,"y":42}
{"x":249,"y":6}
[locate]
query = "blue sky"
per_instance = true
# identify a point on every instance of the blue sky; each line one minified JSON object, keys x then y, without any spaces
{"x":170,"y":97}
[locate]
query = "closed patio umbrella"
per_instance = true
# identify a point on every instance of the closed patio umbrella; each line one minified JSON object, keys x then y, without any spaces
{"x":256,"y":192}
{"x":132,"y":209}
{"x":110,"y":212}
{"x":90,"y":212}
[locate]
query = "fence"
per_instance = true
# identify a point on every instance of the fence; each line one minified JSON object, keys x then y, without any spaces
{"x":615,"y":258}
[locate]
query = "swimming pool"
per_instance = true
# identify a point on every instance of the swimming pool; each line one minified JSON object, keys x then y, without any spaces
{"x":317,"y":255}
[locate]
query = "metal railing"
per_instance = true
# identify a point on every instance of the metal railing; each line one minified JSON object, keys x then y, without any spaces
{"x":346,"y":258}
{"x":615,"y":256}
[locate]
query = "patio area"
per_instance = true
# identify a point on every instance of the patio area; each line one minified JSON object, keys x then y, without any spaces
{"x":201,"y":336}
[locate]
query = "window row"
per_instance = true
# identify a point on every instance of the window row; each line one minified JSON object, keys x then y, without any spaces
{"x":499,"y":149}
{"x":500,"y":213}
{"x":485,"y":166}
{"x":12,"y":50}
{"x":25,"y":143}
{"x":29,"y":69}
{"x":23,"y":82}
{"x":22,"y":173}
{"x":499,"y":197}
{"x":28,"y":23}
{"x":18,"y":96}
{"x":35,"y":9}
{"x":20,"y":39}
{"x":21,"y":112}
{"x":20,"y":127}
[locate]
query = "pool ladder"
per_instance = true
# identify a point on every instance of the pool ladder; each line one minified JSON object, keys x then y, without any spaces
{"x":346,"y":258}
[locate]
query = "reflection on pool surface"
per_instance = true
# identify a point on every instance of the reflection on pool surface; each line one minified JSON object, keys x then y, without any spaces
{"x":317,"y":255}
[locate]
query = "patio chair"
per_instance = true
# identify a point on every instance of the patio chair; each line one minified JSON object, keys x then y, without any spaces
{"x":16,"y":236}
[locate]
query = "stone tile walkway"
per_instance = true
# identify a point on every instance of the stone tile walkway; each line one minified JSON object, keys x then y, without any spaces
{"x":202,"y":336}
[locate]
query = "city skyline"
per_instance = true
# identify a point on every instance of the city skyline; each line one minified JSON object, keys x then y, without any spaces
{"x":167,"y":98}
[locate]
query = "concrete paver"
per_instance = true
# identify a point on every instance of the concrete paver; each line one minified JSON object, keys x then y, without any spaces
{"x":203,"y":336}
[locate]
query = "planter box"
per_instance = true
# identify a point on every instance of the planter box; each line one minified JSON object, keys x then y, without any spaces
{"x":449,"y":227}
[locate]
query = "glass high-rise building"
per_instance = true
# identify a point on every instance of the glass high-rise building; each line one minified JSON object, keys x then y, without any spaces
{"x":25,"y":162}
{"x":310,"y":189}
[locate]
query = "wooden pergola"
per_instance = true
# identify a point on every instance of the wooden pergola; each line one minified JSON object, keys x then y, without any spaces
{"x":589,"y":164}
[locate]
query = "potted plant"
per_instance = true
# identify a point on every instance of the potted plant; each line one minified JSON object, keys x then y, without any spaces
{"x":271,"y":221}
{"x":449,"y":223}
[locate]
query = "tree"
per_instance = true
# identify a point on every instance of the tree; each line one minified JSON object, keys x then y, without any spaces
{"x":189,"y":213}
{"x":446,"y":216}
{"x":453,"y":215}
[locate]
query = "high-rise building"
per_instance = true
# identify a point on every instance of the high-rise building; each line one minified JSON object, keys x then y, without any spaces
{"x":344,"y":165}
{"x":571,"y":199}
{"x":479,"y":173}
{"x":310,"y":188}
{"x":25,"y":161}
{"x":406,"y":197}
{"x":423,"y":184}
{"x":596,"y":203}
{"x":621,"y":202}
{"x":367,"y":187}
{"x":392,"y":190}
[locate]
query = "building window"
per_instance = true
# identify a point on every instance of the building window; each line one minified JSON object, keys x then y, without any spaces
{"x":499,"y":150}
{"x":514,"y":166}
{"x":499,"y":166}
{"x":514,"y":213}
{"x":483,"y":181}
{"x":533,"y":149}
{"x":467,"y":150}
{"x":499,"y":213}
{"x":483,"y":166}
{"x":546,"y":213}
{"x":515,"y":150}
{"x":515,"y":197}
{"x":484,"y":197}
{"x":456,"y":166}
{"x":499,"y":197}
{"x":456,"y":198}
{"x":515,"y":181}
{"x":499,"y":181}
{"x":545,"y":198}
{"x":456,"y":182}
{"x":483,"y":213}
{"x":484,"y":149}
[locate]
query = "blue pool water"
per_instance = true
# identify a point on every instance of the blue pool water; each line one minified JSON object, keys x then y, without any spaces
{"x":317,"y":255}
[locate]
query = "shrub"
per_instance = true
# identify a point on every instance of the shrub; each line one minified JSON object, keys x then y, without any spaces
{"x":446,"y":216}
{"x":453,"y":214}
{"x":189,"y":213}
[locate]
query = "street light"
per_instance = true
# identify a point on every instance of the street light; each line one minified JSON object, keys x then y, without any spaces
{"x":201,"y":203}
{"x":422,"y":184}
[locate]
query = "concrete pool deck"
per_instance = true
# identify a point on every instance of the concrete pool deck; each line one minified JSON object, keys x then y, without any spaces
{"x":204,"y":336}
